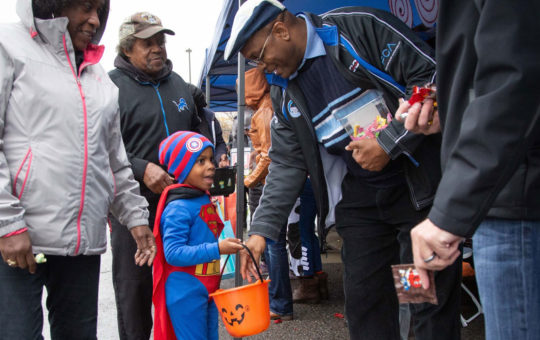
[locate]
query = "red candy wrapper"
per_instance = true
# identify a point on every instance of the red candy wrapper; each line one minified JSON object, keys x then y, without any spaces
{"x":421,"y":93}
{"x":409,"y":287}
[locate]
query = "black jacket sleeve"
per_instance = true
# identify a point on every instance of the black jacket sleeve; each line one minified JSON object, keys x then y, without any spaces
{"x":138,"y":165}
{"x":221,"y":147}
{"x":490,"y":119}
{"x":390,"y":46}
{"x":284,"y":182}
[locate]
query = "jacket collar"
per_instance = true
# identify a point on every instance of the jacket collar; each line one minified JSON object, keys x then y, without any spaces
{"x":54,"y":33}
{"x":329,"y":34}
{"x":124,"y":65}
{"x":183,"y":192}
{"x":314,"y":44}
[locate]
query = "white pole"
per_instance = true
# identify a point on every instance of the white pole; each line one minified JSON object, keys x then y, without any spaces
{"x":189,"y":63}
{"x":208,"y":91}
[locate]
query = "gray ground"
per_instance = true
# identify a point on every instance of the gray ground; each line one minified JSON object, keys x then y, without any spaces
{"x":310,"y":321}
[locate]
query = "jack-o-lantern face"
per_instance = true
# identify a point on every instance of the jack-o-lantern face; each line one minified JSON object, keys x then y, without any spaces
{"x":234,"y":316}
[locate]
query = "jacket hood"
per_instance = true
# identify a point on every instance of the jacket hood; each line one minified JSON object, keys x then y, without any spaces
{"x":208,"y":114}
{"x":42,"y":26}
{"x":183,"y":192}
{"x":256,"y":87}
{"x":123,"y":64}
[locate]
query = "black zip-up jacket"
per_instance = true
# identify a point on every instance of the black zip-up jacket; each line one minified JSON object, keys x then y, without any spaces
{"x":489,"y":103}
{"x":149,"y":111}
{"x":388,"y":45}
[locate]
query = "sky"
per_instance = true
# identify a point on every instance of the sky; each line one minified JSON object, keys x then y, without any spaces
{"x":193,"y":21}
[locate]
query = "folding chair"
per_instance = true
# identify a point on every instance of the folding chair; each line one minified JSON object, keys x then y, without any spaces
{"x":467,"y":255}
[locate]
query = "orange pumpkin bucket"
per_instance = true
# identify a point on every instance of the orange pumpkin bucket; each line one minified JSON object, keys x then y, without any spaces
{"x":244,"y":310}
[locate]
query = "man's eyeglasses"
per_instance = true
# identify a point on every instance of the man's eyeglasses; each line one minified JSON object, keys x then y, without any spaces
{"x":258,"y":61}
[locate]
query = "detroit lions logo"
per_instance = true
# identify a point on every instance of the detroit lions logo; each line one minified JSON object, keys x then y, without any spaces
{"x":194,"y":144}
{"x":181,"y":105}
{"x":293,"y":110}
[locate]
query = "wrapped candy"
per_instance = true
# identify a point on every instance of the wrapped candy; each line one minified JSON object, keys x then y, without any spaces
{"x":421,"y":93}
{"x":373,"y":129}
{"x":364,"y":116}
{"x":40,"y":258}
{"x":409,"y":286}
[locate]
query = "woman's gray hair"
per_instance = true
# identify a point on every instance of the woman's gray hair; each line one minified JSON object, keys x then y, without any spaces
{"x":125,"y":44}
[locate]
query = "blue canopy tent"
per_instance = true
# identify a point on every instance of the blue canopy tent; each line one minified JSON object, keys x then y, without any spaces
{"x":221,"y":74}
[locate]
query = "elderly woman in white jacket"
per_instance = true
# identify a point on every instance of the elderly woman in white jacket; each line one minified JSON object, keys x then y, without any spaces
{"x":62,"y":168}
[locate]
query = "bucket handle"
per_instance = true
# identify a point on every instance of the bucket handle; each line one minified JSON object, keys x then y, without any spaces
{"x":252,"y":258}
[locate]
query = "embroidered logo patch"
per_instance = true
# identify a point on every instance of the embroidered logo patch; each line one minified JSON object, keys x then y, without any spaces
{"x":149,"y":18}
{"x":386,"y":54}
{"x":354,"y":65}
{"x":293,"y":110}
{"x":194,"y":144}
{"x":181,"y":105}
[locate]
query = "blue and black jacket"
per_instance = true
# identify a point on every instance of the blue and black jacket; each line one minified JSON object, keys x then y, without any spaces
{"x":151,"y":110}
{"x":372,"y":49}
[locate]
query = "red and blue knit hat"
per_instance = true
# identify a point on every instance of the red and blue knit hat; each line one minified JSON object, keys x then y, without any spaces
{"x":179,"y":152}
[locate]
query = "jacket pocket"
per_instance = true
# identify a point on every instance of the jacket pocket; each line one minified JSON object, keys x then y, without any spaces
{"x":22,"y":174}
{"x":423,"y":180}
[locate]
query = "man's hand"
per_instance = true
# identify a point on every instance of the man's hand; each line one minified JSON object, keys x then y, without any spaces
{"x":223,"y":161}
{"x":433,"y":249}
{"x":368,"y":154}
{"x":256,"y":244}
{"x":421,"y":117}
{"x":17,"y":251}
{"x":146,"y":245}
{"x":156,"y":179}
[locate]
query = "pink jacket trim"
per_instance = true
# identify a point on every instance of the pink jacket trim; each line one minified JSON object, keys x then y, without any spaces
{"x":14,"y":190}
{"x":26,"y":176}
{"x":16,"y":232}
{"x":92,"y":56}
{"x":85,"y":166}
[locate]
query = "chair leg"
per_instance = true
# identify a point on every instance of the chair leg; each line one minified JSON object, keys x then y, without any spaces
{"x":464,"y":321}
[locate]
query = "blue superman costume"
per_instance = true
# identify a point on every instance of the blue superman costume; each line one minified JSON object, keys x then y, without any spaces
{"x":186,"y":267}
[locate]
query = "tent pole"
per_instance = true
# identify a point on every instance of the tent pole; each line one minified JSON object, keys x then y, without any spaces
{"x":208,"y":90}
{"x":240,"y":195}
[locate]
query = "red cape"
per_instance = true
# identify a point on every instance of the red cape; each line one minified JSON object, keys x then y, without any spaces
{"x":163,"y":328}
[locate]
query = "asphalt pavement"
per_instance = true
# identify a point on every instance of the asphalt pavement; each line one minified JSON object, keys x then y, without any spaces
{"x":320,"y":321}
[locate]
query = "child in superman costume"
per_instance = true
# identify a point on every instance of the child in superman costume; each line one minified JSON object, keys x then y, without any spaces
{"x":187,"y":227}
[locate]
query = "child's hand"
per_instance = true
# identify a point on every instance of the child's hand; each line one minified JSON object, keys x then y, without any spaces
{"x":229,"y":245}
